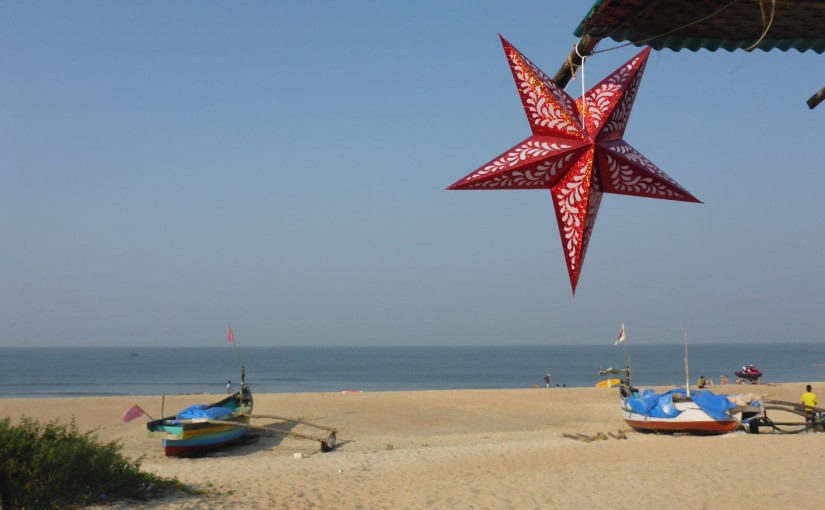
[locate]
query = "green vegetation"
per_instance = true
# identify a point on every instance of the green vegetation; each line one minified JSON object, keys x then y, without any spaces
{"x":53,"y":465}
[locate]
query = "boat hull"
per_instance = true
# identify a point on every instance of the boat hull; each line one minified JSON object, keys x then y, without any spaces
{"x":690,"y":420}
{"x":206,"y":437}
{"x":181,"y":437}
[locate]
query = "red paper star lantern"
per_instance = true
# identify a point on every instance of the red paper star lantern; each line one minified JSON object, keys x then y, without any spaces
{"x":576,"y":151}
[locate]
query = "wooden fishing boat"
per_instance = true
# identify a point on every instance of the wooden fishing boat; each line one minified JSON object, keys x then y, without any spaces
{"x":615,"y":382}
{"x":208,"y":427}
{"x":205,"y":427}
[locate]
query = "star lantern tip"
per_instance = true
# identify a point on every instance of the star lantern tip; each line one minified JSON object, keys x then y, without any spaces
{"x":576,"y":151}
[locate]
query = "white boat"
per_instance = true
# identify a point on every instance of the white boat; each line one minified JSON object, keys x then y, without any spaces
{"x":674,"y":411}
{"x":678,"y":410}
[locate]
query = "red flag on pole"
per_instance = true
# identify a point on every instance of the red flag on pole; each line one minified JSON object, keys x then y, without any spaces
{"x":621,"y":337}
{"x":229,"y":334}
{"x":133,"y":413}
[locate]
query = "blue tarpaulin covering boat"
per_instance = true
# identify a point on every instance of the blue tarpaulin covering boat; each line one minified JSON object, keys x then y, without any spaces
{"x":675,"y":411}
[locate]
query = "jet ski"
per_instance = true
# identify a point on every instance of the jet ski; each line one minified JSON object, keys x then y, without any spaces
{"x":749,"y":374}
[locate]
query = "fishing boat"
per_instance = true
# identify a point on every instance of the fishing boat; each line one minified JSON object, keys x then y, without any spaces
{"x":205,"y":427}
{"x":608,"y":383}
{"x":697,"y":412}
{"x":613,"y":382}
{"x":679,"y":410}
{"x":209,"y":427}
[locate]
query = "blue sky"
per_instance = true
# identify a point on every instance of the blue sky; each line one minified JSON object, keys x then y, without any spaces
{"x":167,"y":167}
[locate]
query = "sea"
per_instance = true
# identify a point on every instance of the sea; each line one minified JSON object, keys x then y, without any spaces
{"x":82,"y":372}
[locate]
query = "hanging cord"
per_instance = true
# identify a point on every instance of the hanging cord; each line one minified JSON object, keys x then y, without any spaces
{"x":584,"y":98}
{"x":767,"y":27}
{"x":643,"y":41}
{"x":574,"y":68}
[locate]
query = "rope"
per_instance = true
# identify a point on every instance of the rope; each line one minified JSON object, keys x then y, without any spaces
{"x":584,"y":98}
{"x":767,"y":27}
{"x":573,"y":68}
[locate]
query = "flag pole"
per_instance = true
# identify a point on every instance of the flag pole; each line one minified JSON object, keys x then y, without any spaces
{"x":626,"y":362}
{"x":624,"y":346}
{"x":687,"y":376}
{"x":622,"y":339}
{"x":231,"y":337}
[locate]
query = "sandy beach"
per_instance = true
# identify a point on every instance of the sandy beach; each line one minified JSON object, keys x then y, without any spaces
{"x":465,"y":449}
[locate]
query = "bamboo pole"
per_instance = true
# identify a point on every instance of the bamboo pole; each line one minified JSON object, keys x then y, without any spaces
{"x":294,"y":420}
{"x":795,"y":405}
{"x":328,"y":442}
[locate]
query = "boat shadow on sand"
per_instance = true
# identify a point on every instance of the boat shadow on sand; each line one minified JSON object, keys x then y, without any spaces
{"x":257,"y":440}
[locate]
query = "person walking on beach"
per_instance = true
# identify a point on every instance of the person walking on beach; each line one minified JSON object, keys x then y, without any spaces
{"x":809,"y":401}
{"x":229,"y":386}
{"x":547,"y":379}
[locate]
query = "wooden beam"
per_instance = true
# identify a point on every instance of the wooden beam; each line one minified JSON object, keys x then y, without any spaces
{"x":585,"y":47}
{"x":816,"y":99}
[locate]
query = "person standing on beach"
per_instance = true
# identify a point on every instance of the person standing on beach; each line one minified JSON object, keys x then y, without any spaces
{"x":547,"y":379}
{"x":809,"y":401}
{"x":229,"y":386}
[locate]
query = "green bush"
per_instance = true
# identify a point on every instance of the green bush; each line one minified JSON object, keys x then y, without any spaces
{"x":53,"y":465}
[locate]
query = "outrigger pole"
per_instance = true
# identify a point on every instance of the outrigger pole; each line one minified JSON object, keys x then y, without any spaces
{"x":327,"y":443}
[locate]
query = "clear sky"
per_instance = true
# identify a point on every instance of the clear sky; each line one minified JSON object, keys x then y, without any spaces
{"x":168,"y":167}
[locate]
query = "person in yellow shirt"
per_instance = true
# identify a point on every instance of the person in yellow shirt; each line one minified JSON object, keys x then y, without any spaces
{"x":809,"y":401}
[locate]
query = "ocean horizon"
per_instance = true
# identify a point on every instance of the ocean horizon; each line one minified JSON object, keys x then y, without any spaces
{"x":32,"y":372}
